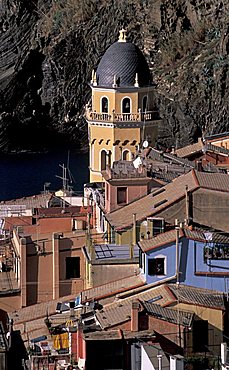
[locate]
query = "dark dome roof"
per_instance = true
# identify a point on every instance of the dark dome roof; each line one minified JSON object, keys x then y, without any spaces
{"x":124,"y":60}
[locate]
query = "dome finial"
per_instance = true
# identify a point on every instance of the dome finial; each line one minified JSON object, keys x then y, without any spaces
{"x":94,"y":79}
{"x":122,"y":35}
{"x":136,"y":84}
{"x":92,"y":76}
{"x":115,"y":81}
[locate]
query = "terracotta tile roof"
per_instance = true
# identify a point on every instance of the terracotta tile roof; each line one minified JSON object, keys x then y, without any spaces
{"x":198,"y":296}
{"x":120,"y":311}
{"x":217,"y":136}
{"x":213,"y":181}
{"x":118,"y":334}
{"x":168,"y":314}
{"x":60,"y":212}
{"x":216,"y":149}
{"x":169,"y":158}
{"x":162,"y":198}
{"x":38,"y":310}
{"x":34,"y":201}
{"x":188,"y":150}
{"x":206,"y":235}
{"x":31,"y":329}
{"x":111,"y":288}
{"x":170,"y":236}
{"x":8,"y":282}
{"x":157,"y":241}
{"x":153,"y":203}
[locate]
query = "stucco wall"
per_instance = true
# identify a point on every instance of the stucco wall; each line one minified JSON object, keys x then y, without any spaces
{"x":192,"y":263}
{"x":133,"y":192}
{"x":40,"y":269}
{"x":215,"y":325}
{"x":211,"y":209}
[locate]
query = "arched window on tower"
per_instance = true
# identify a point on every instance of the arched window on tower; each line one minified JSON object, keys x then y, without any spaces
{"x":104,"y":104}
{"x":103,"y":160}
{"x":109,"y":158}
{"x":144,"y":104}
{"x":126,"y":105}
{"x":126,"y":155}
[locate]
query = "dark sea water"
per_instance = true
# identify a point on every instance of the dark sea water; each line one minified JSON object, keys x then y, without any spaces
{"x":25,"y":174}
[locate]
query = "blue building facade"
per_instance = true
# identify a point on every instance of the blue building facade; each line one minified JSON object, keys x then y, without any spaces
{"x":201,"y":263}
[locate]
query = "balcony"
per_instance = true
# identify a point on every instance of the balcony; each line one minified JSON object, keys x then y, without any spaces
{"x":121,"y":117}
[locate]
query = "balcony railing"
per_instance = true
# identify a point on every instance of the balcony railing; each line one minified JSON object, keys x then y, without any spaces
{"x":122,"y":117}
{"x":217,"y":252}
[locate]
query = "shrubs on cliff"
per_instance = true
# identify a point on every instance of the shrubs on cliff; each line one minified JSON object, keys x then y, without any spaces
{"x":63,"y":15}
{"x":179,"y":45}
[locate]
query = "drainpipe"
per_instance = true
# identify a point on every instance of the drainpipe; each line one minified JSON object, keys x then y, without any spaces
{"x":133,"y":237}
{"x":23,"y":272}
{"x":177,"y":250}
{"x":55,"y":265}
{"x":177,"y":228}
{"x":187,"y":205}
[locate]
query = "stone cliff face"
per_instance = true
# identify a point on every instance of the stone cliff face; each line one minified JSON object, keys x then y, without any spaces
{"x":49,"y":49}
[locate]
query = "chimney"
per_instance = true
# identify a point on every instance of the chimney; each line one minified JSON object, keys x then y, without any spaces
{"x":134,"y":315}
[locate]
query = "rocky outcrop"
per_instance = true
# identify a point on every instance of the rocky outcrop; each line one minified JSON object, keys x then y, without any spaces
{"x":49,"y":49}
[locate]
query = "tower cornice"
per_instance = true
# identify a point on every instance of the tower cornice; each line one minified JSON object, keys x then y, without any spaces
{"x":124,"y":89}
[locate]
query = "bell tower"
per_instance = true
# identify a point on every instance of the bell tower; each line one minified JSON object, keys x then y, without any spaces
{"x":122,"y":111}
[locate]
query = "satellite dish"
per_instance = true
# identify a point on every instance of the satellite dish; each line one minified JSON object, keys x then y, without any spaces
{"x":145,"y":144}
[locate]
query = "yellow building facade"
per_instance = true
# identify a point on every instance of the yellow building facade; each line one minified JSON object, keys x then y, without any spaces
{"x":121,"y":114}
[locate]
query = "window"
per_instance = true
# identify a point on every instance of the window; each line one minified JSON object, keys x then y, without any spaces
{"x":109,"y":158}
{"x":156,"y":266}
{"x":200,"y":336}
{"x":103,"y":160}
{"x":144,"y":104}
{"x":72,"y":267}
{"x":126,"y":155}
{"x":121,"y":195}
{"x":156,"y":226}
{"x":126,"y":105}
{"x":78,"y":225}
{"x":104,"y":105}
